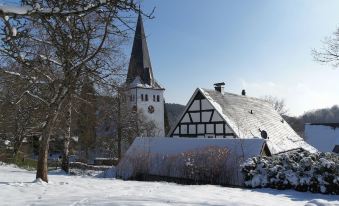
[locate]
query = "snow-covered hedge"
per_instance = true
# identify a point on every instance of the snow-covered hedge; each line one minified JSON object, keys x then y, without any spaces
{"x":302,"y":171}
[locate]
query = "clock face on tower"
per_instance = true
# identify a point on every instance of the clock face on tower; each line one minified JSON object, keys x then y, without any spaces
{"x":150,"y":109}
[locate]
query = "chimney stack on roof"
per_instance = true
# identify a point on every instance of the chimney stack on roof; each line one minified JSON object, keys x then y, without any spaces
{"x":243,"y":92}
{"x":219,"y":87}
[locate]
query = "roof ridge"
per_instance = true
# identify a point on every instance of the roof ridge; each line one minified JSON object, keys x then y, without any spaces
{"x":238,"y":95}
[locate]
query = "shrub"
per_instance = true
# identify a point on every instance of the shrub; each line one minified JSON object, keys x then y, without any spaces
{"x":302,"y":171}
{"x":208,"y":165}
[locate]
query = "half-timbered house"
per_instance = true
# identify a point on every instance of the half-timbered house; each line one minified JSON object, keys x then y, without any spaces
{"x":218,"y":114}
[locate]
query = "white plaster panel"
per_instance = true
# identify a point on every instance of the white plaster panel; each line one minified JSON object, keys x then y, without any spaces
{"x":186,"y":118}
{"x":209,"y":128}
{"x":205,"y":104}
{"x":176,"y":131}
{"x":183,"y":129}
{"x":201,"y":128}
{"x":216,"y":117}
{"x":191,"y":129}
{"x":195,"y":117}
{"x":206,"y":116}
{"x":228,"y":129}
{"x":195,"y":106}
{"x":219,"y":128}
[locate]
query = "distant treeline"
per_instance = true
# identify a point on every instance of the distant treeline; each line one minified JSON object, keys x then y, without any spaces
{"x":173,"y":112}
{"x":326,"y":115}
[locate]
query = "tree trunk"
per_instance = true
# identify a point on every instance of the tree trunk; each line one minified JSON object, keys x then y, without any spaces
{"x":19,"y":137}
{"x":119,"y":129}
{"x":42,"y":167}
{"x":67,"y":139}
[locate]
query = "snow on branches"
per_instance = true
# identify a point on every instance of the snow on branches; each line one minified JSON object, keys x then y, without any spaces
{"x":302,"y":171}
{"x":59,"y":9}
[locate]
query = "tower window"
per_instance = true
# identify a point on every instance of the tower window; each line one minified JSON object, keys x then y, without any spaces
{"x":142,"y":97}
{"x":146,"y":97}
{"x":153,"y":98}
{"x":158,"y":98}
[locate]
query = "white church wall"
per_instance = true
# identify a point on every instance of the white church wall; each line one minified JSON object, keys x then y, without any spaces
{"x":158,"y":115}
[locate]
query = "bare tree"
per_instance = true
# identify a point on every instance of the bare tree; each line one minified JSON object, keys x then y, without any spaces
{"x":122,"y":122}
{"x":278,"y":104}
{"x":19,"y":118}
{"x":329,"y":54}
{"x":57,"y":43}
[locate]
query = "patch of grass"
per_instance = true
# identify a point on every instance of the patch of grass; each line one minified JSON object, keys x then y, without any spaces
{"x":25,"y":163}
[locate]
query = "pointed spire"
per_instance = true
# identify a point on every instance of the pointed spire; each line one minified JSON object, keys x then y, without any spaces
{"x":140,"y":62}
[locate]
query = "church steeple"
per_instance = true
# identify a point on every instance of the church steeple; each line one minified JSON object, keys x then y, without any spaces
{"x":140,"y":62}
{"x":144,"y":92}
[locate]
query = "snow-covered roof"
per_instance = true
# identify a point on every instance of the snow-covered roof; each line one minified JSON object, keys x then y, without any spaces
{"x":155,"y":151}
{"x":139,"y":84}
{"x":243,"y":148}
{"x":323,"y":136}
{"x":249,"y":116}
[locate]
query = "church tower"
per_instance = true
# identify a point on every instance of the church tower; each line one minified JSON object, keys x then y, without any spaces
{"x":145,"y":94}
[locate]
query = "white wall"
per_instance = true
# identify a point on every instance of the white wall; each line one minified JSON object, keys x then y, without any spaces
{"x":158,"y":115}
{"x":324,"y":138}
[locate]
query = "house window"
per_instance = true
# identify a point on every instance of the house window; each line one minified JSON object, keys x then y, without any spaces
{"x":153,"y":98}
{"x":146,"y":97}
{"x":142,"y":97}
{"x":158,"y":98}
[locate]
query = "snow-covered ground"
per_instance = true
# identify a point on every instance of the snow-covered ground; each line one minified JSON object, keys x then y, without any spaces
{"x":17,"y":187}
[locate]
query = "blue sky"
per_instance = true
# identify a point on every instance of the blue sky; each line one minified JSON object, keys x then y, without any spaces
{"x":263,"y":46}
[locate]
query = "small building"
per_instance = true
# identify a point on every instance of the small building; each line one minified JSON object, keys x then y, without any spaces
{"x":218,"y":114}
{"x":173,"y":159}
{"x":323,"y":136}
